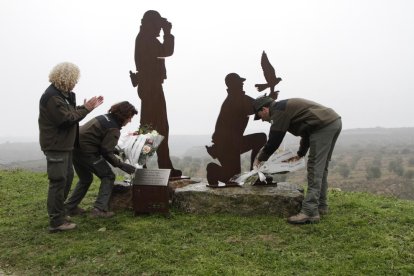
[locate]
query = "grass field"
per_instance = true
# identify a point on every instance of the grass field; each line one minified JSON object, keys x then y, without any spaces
{"x":363,"y":235}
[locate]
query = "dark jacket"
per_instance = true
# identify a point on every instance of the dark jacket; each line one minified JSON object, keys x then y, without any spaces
{"x":58,"y":120}
{"x":99,"y":136}
{"x":298,"y":116}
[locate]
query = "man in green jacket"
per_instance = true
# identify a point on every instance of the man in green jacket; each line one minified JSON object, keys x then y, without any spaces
{"x":58,"y":132}
{"x":97,"y":141}
{"x":319,"y":127}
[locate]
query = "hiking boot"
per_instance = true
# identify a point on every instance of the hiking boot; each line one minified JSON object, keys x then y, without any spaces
{"x":302,"y":218}
{"x":97,"y":213}
{"x":77,"y":211}
{"x":323,"y":211}
{"x":63,"y":227}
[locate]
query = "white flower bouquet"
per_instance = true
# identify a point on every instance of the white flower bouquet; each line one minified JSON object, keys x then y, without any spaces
{"x":138,"y":147}
{"x":277,"y":163}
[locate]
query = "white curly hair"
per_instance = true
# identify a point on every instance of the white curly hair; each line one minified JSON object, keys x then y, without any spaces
{"x":64,"y":76}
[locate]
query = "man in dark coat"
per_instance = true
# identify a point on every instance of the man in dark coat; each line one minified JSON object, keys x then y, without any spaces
{"x":58,"y":132}
{"x":319,"y":127}
{"x":97,"y":141}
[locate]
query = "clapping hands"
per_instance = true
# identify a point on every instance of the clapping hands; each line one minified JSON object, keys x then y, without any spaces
{"x":93,"y":102}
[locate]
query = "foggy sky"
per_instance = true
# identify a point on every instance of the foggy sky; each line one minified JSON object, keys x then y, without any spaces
{"x":354,"y":56}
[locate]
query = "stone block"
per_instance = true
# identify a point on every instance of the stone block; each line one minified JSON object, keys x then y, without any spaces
{"x":282,"y":200}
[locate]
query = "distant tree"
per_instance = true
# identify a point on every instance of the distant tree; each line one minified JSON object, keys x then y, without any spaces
{"x":411,"y":161}
{"x":196,"y":161}
{"x":405,"y":151}
{"x":175,"y":159}
{"x":377,"y":160}
{"x":188,"y":159}
{"x":355,"y":159}
{"x":409,"y":174}
{"x":344,"y":170}
{"x":396,"y":167}
{"x":340,"y":157}
{"x":373,"y":172}
{"x":332,"y":164}
{"x":206,"y":160}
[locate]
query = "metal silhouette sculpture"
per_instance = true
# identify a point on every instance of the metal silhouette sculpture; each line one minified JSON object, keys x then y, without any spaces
{"x":228,"y":139}
{"x":270,"y":76}
{"x":150,"y":56}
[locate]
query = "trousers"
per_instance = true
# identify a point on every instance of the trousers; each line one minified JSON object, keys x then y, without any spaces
{"x":85,"y":167}
{"x":322,"y":144}
{"x":60,"y":174}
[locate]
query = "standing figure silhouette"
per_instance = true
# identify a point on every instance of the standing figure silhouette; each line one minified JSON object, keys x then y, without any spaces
{"x":150,"y":56}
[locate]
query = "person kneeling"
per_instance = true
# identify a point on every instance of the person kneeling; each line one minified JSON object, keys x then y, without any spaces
{"x":97,"y":141}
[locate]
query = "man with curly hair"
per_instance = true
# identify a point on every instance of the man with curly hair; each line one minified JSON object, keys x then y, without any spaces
{"x":97,"y":141}
{"x":58,"y":133}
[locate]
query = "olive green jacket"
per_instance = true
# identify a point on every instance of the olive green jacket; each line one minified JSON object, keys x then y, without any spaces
{"x":99,"y":136}
{"x":299,"y":117}
{"x":59,"y":120}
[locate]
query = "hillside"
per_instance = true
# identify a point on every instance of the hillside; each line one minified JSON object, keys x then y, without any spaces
{"x":362,"y":235}
{"x":376,"y":160}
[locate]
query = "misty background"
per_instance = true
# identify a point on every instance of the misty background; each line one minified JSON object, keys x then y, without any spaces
{"x":353,"y":56}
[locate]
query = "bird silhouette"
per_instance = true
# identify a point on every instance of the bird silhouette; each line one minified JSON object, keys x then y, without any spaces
{"x":270,"y":76}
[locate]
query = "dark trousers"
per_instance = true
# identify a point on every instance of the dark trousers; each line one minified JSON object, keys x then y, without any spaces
{"x":85,"y":167}
{"x":322,"y":144}
{"x":60,"y":174}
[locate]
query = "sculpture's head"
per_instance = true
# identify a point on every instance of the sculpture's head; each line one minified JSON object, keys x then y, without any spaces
{"x":153,"y":22}
{"x":234,"y":81}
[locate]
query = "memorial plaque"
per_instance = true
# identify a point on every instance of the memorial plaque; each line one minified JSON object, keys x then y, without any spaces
{"x":150,"y":191}
{"x":151,"y":177}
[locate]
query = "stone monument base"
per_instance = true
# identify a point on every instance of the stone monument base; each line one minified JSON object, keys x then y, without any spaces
{"x":282,"y":200}
{"x":121,"y":198}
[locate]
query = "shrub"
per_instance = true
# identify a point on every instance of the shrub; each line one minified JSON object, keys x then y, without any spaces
{"x":344,"y":170}
{"x":373,"y":172}
{"x":409,"y":174}
{"x":396,"y":167}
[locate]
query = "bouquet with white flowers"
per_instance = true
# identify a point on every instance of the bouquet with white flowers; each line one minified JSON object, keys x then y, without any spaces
{"x":278,"y":163}
{"x":139,"y":146}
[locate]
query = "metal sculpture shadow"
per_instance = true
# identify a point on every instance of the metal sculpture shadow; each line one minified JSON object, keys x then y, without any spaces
{"x":270,"y":77}
{"x":150,"y":56}
{"x":229,"y":141}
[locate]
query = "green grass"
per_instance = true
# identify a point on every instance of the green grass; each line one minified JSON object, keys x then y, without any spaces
{"x":363,"y":235}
